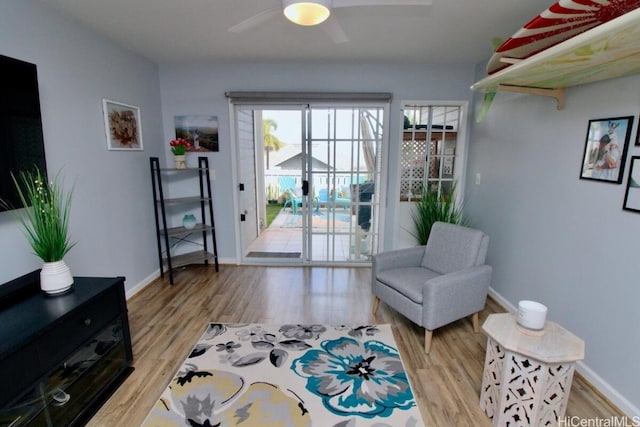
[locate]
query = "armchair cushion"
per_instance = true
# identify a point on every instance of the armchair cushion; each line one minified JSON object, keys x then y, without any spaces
{"x":452,"y":248}
{"x":409,"y":281}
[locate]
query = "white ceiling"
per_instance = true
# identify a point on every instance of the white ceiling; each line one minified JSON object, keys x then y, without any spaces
{"x":197,"y":30}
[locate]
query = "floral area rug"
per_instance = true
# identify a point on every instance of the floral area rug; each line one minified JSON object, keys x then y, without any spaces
{"x":290,"y":375}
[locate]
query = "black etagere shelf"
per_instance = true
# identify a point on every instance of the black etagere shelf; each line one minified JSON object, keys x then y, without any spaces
{"x":169,"y":237}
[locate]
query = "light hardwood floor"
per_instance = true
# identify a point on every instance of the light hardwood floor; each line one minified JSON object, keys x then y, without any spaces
{"x":166,"y":321}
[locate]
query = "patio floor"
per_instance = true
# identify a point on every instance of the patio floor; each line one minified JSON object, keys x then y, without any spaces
{"x":333,"y":234}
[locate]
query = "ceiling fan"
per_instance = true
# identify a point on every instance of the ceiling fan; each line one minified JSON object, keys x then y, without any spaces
{"x":314,"y":12}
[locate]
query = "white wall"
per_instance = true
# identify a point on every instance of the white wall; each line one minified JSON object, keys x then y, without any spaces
{"x":112,"y":217}
{"x":199,"y":89}
{"x":555,"y":238}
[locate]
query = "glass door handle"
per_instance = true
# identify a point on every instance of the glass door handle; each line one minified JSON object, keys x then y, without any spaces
{"x":305,"y":188}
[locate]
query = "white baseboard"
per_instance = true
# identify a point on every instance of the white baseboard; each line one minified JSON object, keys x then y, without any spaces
{"x":625,"y":406}
{"x":502,"y":301}
{"x":129,"y":292}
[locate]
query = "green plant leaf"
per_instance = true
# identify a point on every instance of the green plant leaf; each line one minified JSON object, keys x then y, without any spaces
{"x":433,"y":207}
{"x":45,"y":217}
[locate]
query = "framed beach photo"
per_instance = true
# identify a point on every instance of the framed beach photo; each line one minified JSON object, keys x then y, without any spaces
{"x":605,"y":149}
{"x":200,"y":131}
{"x":632,"y":195}
{"x":122,"y":126}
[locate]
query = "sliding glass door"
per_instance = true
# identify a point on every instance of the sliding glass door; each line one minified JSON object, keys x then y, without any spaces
{"x":344,"y":157}
{"x":310,"y":182}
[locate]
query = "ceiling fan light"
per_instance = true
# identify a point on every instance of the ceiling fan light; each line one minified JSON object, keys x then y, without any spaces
{"x":306,"y":13}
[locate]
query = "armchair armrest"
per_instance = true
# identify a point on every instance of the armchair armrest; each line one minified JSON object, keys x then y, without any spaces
{"x":453,"y":296}
{"x":410,"y":257}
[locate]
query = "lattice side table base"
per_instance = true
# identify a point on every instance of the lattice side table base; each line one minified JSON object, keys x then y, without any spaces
{"x":519,"y":390}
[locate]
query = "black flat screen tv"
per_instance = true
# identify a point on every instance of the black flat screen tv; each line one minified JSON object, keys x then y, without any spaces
{"x":21,"y":140}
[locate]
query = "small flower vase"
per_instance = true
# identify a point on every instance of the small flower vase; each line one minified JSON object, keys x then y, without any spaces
{"x":55,"y":277}
{"x":180,"y":160}
{"x":189,"y":221}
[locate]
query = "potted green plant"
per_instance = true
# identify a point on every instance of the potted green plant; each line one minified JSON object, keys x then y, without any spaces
{"x":433,"y":207}
{"x":179,"y":147}
{"x":45,"y":219}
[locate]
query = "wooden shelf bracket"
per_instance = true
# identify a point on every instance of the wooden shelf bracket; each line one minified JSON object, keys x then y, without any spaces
{"x":557,"y":94}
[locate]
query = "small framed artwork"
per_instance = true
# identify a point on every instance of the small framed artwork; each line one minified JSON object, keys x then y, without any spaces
{"x":638,"y":133}
{"x":122,"y":126}
{"x":605,"y":149}
{"x":200,"y":131}
{"x":632,"y":195}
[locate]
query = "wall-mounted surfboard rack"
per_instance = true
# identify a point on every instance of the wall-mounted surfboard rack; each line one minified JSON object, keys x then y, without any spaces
{"x":557,"y":94}
{"x":607,"y":51}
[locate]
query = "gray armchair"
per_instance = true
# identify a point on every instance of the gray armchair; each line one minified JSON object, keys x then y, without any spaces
{"x":436,"y":284}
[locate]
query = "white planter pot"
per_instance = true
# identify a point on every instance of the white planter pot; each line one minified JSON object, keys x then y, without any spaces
{"x":180,"y":161}
{"x":55,"y":277}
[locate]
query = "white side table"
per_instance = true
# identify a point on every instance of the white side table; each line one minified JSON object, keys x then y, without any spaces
{"x":527,"y":374}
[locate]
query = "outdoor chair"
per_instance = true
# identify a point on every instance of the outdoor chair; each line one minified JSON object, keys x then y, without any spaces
{"x":323,"y":198}
{"x":287,"y":183}
{"x":436,"y":284}
{"x":331,"y":201}
{"x":293,"y":201}
{"x":344,"y":202}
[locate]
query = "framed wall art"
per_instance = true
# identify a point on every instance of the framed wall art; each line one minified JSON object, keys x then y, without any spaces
{"x":632,"y":195}
{"x":122,"y":126}
{"x":605,"y":149}
{"x":200,"y":131}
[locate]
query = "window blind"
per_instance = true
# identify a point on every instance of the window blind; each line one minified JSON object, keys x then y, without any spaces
{"x":250,"y":98}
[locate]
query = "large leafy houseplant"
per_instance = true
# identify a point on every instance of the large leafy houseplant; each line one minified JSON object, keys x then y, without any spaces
{"x":433,"y":207}
{"x":46,"y":223}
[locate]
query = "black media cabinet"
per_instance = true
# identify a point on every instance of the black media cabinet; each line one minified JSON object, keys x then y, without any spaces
{"x":61,"y":357}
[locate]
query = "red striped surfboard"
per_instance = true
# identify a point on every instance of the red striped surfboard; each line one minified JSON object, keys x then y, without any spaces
{"x":561,"y":21}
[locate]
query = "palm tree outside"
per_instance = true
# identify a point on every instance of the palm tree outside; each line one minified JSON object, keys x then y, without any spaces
{"x":271,"y":142}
